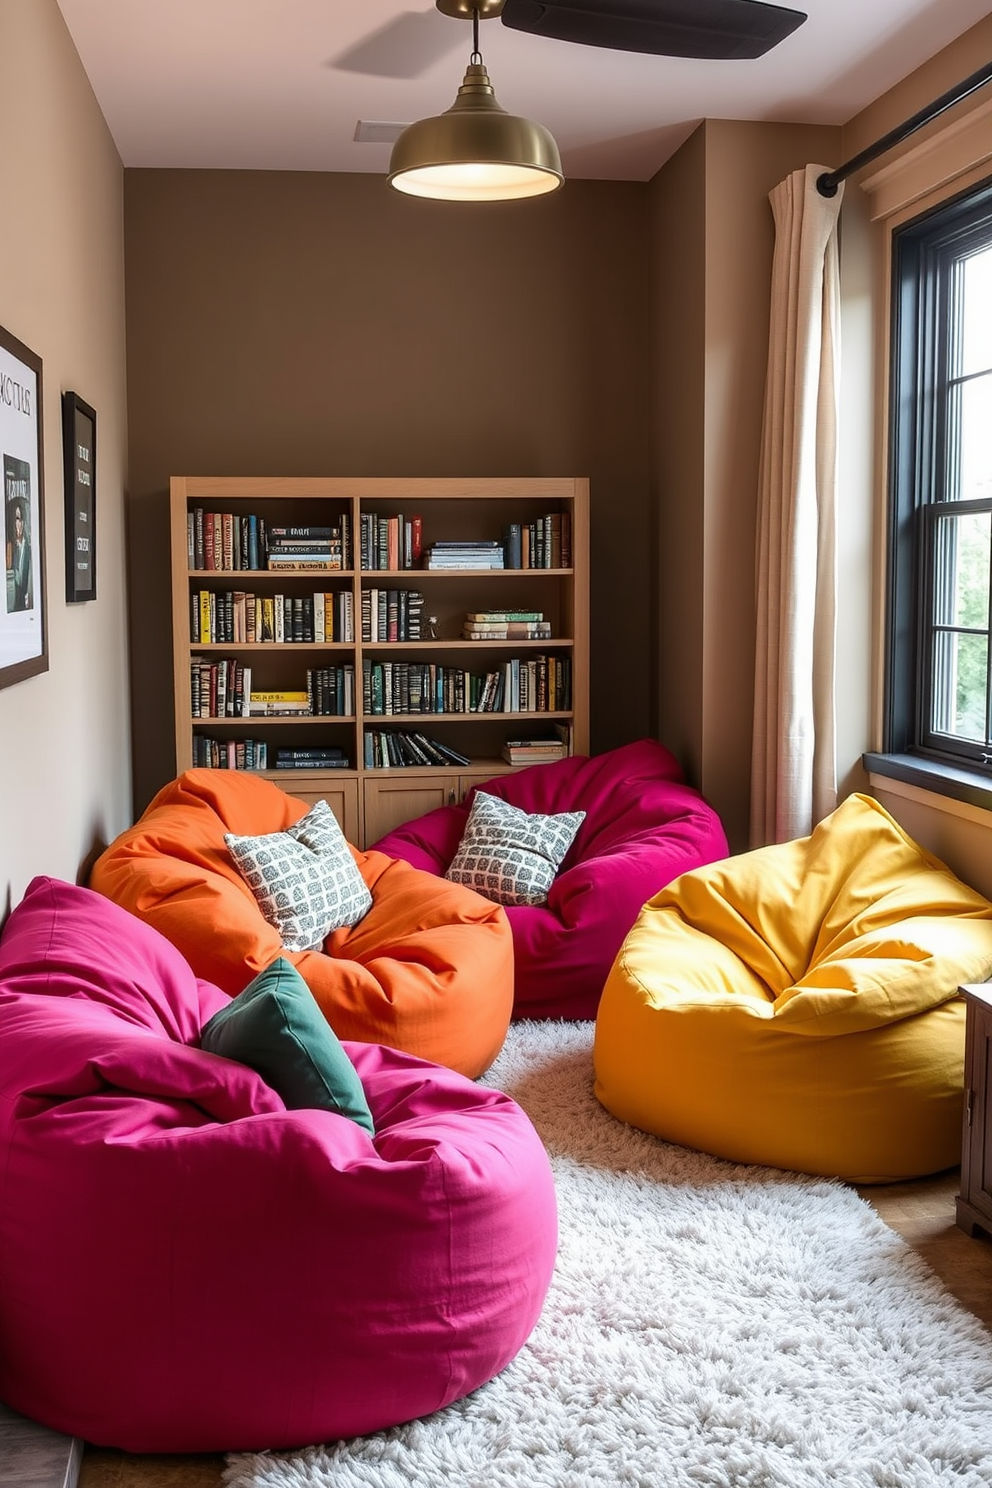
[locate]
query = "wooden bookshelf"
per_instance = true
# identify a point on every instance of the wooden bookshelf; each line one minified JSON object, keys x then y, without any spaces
{"x":368,"y":797}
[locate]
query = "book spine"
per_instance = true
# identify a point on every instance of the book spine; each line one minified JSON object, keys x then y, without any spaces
{"x":512,"y":550}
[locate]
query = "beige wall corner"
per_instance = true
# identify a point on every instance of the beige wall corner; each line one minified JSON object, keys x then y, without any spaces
{"x":64,"y":745}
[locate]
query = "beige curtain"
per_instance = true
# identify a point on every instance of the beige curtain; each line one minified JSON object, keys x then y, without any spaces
{"x":793,"y":763}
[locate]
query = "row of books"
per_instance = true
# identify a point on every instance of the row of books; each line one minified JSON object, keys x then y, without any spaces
{"x":222,"y":689}
{"x":331,"y":691}
{"x":541,"y":684}
{"x":389,"y":542}
{"x":392,"y":615}
{"x":383,"y":748}
{"x":230,"y":540}
{"x":543,"y":543}
{"x":229,"y":754}
{"x":387,"y":748}
{"x":230,"y":617}
{"x":505,"y":625}
{"x":254,"y":754}
{"x":219,"y":689}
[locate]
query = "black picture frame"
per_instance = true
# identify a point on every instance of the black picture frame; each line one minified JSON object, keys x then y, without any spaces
{"x":23,"y":613}
{"x":79,"y":469}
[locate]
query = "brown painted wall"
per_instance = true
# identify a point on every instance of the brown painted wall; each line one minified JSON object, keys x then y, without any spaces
{"x":678,"y":295}
{"x":290,"y":323}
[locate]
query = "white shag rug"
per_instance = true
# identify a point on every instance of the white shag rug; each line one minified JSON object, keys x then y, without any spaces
{"x":708,"y":1326}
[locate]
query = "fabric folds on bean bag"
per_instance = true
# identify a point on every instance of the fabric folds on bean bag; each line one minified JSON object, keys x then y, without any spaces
{"x":797,"y":1006}
{"x":428,"y":969}
{"x":643,"y":826}
{"x":188,"y":1266}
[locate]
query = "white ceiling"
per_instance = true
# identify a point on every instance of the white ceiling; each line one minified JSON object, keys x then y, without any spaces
{"x":267,"y":84}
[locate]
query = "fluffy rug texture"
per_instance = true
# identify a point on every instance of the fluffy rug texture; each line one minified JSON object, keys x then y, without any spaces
{"x":708,"y":1325}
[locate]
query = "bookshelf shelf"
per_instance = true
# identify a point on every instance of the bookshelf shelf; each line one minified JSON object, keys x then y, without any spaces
{"x":218,"y":521}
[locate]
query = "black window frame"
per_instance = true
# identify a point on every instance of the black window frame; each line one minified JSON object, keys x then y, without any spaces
{"x":922,"y":251}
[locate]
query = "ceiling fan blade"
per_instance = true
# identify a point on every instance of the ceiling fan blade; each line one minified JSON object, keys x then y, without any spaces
{"x":404,"y":47}
{"x":667,"y":28}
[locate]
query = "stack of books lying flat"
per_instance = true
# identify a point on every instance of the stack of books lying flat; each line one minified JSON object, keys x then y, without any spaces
{"x":506,"y":625}
{"x":291,"y":548}
{"x":533,"y":751}
{"x":330,"y":758}
{"x":279,"y":704}
{"x":464,"y":555}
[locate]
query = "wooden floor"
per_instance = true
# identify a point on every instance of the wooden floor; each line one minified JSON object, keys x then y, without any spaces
{"x":922,"y":1212}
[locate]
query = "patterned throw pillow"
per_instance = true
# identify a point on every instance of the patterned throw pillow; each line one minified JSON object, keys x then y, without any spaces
{"x":305,"y":880}
{"x":511,"y":856}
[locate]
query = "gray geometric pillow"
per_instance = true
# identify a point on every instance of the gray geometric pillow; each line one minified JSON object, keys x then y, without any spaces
{"x":511,"y":856}
{"x":305,"y":880}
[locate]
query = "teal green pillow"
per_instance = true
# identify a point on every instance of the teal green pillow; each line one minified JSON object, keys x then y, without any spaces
{"x":276,"y":1028}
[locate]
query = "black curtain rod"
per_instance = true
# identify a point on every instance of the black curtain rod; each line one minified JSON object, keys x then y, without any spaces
{"x":827,"y":183}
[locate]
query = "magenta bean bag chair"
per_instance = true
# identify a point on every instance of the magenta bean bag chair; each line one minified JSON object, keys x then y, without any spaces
{"x":643,"y":827}
{"x":188,"y":1266}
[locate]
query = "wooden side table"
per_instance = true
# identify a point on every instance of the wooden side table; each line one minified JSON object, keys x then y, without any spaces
{"x":974,"y":1204}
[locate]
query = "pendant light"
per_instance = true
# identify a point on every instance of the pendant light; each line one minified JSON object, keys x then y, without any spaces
{"x":475,"y":151}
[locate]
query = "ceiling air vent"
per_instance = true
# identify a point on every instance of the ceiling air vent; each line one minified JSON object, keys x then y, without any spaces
{"x":377,"y":132}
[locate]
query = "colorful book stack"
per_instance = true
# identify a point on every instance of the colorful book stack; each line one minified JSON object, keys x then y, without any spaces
{"x":280,"y":703}
{"x":290,"y":549}
{"x":505,"y":625}
{"x":533,"y":751}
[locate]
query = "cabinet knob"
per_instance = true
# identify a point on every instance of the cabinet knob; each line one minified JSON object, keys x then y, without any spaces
{"x":451,"y":797}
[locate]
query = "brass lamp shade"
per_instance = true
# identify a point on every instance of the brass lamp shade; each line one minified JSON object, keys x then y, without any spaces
{"x":475,"y":151}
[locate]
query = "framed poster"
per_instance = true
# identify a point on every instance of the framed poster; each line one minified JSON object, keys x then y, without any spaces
{"x":23,"y":629}
{"x":79,"y":462}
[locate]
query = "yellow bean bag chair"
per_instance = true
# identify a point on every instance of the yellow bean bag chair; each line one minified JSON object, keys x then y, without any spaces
{"x":797,"y":1006}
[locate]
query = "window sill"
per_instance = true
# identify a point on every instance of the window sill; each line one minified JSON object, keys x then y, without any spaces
{"x":933,"y":776}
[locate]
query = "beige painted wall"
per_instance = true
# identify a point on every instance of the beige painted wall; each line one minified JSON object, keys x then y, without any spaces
{"x":711,"y":267}
{"x":285,"y":323}
{"x":64,"y":757}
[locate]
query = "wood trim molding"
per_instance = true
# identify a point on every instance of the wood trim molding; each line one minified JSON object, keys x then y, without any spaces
{"x":953,"y":157}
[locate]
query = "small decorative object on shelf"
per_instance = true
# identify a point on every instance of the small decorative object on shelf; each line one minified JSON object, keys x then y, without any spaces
{"x":375,"y":606}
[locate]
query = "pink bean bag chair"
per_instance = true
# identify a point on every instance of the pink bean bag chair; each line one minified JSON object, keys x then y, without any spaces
{"x":643,"y":827}
{"x":188,"y":1265}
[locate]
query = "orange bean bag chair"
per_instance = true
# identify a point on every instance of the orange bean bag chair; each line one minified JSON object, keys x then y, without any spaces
{"x":428,"y":969}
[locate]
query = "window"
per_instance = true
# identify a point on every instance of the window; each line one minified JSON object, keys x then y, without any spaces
{"x":939,"y":699}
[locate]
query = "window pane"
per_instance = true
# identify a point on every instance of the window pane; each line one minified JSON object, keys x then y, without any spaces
{"x":960,"y":672}
{"x":969,"y":441}
{"x":961,"y":570}
{"x":976,"y":280}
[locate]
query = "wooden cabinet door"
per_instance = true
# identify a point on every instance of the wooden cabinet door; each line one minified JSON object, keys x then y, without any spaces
{"x":467,"y":779}
{"x":391,"y":800}
{"x":340,"y":795}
